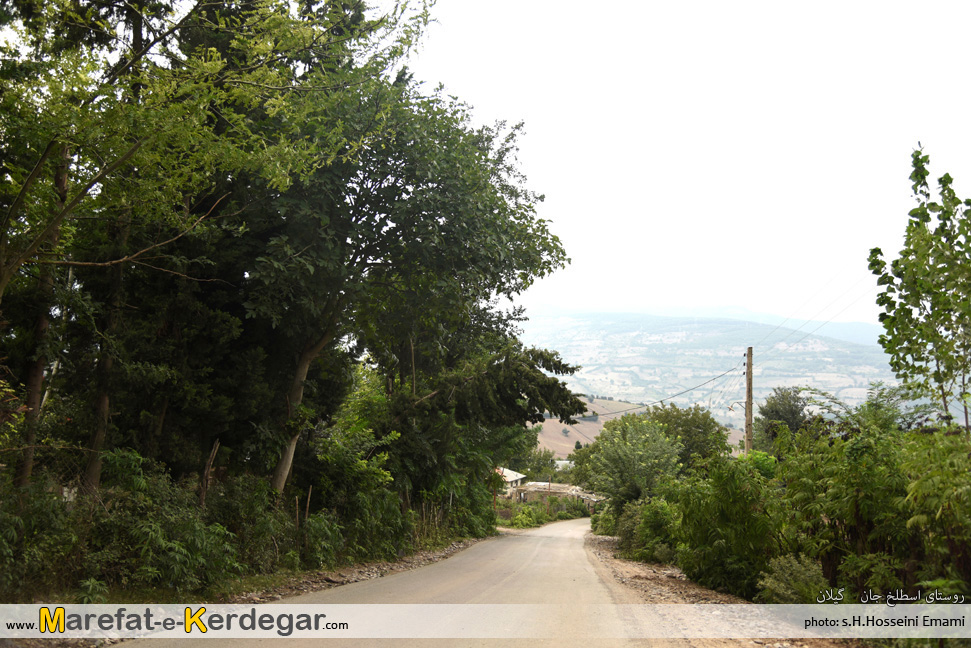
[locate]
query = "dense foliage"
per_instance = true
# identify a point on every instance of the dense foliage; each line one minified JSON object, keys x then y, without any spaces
{"x":248,"y":271}
{"x":637,"y":452}
{"x":851,"y":501}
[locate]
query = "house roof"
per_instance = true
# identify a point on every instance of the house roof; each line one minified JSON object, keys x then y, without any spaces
{"x":509,"y":475}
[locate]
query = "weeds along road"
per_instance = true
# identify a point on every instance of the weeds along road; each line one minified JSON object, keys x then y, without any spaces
{"x":548,"y":566}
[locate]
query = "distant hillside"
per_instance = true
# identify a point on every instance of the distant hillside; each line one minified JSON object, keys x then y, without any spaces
{"x":561,"y":438}
{"x":856,"y":332}
{"x":645,"y":358}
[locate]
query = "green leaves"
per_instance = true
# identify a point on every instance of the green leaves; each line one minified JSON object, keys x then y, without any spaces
{"x":630,"y":457}
{"x":926,"y":316}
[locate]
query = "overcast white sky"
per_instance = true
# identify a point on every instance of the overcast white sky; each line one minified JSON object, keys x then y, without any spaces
{"x":716,"y":154}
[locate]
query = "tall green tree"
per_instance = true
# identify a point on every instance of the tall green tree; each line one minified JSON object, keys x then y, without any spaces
{"x":925,"y":295}
{"x":397,"y":247}
{"x":116,"y":138}
{"x":693,"y":427}
{"x":785,"y":405}
{"x":630,"y":457}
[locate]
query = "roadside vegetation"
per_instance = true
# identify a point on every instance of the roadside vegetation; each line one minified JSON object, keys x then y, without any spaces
{"x":249,"y":270}
{"x":852,"y":501}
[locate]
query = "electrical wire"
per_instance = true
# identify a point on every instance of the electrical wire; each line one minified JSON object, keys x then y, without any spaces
{"x":818,"y":313}
{"x":808,"y":301}
{"x":764,"y":357}
{"x":672,"y":396}
{"x":821,"y":325}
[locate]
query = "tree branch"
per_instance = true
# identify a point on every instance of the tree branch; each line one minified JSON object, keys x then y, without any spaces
{"x":180,"y":274}
{"x":111,"y":78}
{"x":18,"y":201}
{"x":132,"y":257}
{"x":59,"y":218}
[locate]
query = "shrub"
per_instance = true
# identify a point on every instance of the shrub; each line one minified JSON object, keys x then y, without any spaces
{"x":762,"y":461}
{"x":648,"y":530}
{"x":39,"y":544}
{"x":604,"y":523}
{"x":727,"y":535}
{"x":146,"y":529}
{"x":939,"y":504}
{"x":844,"y":503}
{"x":791,"y":579}
{"x":246,"y":506}
{"x":525,"y":518}
{"x":321,"y":541}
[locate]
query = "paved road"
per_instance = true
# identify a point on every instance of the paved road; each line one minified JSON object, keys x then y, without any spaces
{"x":544,"y":565}
{"x":547,"y":567}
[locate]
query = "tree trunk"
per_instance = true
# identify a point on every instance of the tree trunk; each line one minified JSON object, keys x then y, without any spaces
{"x":294,"y":399}
{"x":106,"y":361}
{"x":43,"y":297}
{"x":35,"y":385}
{"x":964,"y":400}
{"x":92,"y":471}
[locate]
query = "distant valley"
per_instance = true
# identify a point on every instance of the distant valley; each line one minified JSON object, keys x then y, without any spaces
{"x":643,"y":359}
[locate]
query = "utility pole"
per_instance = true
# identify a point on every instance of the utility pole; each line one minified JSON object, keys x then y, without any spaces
{"x":748,"y":400}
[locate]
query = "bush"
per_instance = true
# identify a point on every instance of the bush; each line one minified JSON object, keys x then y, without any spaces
{"x":146,"y":529}
{"x":791,"y":579}
{"x":604,"y":523}
{"x":727,"y":534}
{"x":141,"y":529}
{"x":39,"y":545}
{"x":378,"y":529}
{"x":939,"y":504}
{"x":648,"y":531}
{"x":246,"y":506}
{"x":320,"y":541}
{"x":844,"y":503}
{"x":762,"y":461}
{"x":524,"y":519}
{"x":531,"y":514}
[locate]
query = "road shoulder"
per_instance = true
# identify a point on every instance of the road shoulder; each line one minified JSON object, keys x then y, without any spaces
{"x":666,"y":584}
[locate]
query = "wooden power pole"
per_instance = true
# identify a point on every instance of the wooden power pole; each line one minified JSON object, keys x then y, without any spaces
{"x":748,"y":400}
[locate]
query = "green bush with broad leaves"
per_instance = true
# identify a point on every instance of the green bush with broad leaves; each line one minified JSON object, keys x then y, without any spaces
{"x":843,"y":503}
{"x":727,"y":533}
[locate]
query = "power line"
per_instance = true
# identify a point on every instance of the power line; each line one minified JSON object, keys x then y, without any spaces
{"x":672,"y":396}
{"x":810,"y":300}
{"x":728,"y":389}
{"x":818,"y":313}
{"x":776,"y":351}
{"x":824,"y":323}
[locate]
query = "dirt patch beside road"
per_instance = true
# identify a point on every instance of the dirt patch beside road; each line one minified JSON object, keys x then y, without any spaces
{"x":655,"y":583}
{"x":658,"y":584}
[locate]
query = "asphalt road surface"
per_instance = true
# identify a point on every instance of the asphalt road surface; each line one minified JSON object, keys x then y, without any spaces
{"x":570,"y":599}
